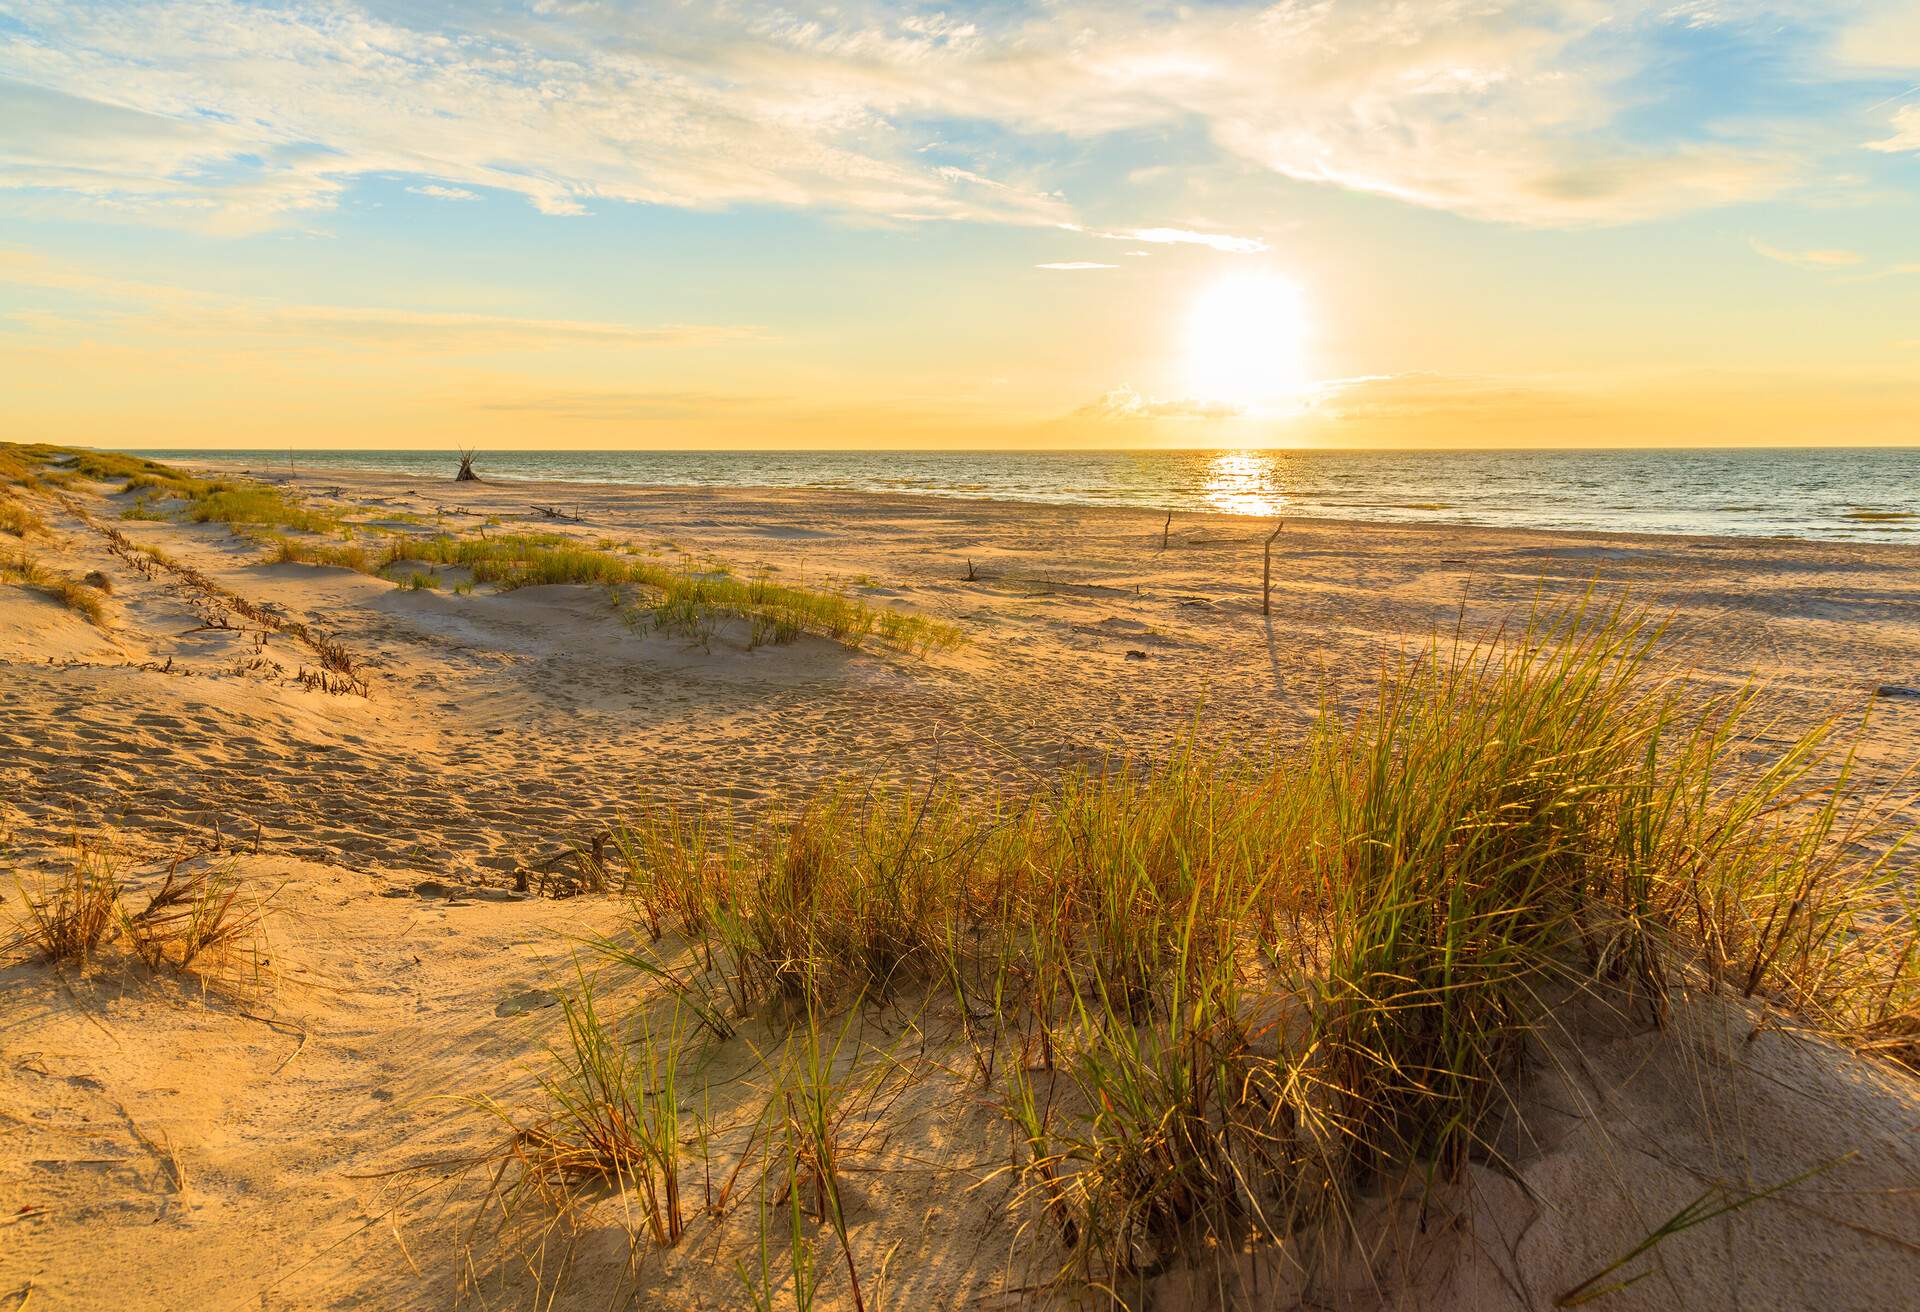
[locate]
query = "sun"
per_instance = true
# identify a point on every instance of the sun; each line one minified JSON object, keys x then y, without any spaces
{"x":1246,"y":342}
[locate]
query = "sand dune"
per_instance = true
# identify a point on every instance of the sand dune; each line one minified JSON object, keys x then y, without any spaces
{"x":249,"y":1146}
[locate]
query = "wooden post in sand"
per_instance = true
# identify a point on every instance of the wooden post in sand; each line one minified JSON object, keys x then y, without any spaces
{"x":1266,"y":571}
{"x":1165,"y":529}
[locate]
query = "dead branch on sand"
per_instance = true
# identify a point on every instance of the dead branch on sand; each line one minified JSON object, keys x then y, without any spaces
{"x":1266,"y":570}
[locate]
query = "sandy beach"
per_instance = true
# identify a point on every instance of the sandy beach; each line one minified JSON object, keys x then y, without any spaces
{"x":283,"y":1144}
{"x":1088,"y":640}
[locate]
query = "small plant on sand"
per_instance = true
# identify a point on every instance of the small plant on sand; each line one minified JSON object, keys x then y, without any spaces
{"x":70,"y":918}
{"x":612,"y":1120}
{"x":198,"y":919}
{"x":195,"y":920}
{"x":19,"y":519}
{"x":309,"y":551}
{"x":819,"y":1089}
{"x":816,"y":1103}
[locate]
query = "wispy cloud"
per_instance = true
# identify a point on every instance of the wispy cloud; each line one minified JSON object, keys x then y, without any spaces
{"x":1075,"y":266}
{"x":615,"y":407}
{"x":1906,"y":132}
{"x":1219,"y":241}
{"x":1808,"y":259}
{"x":237,"y":115}
{"x":1124,"y":403}
{"x":439,"y":192}
{"x":238,"y":321}
{"x":433,"y":330}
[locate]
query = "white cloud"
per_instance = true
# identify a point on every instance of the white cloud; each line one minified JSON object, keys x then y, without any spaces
{"x":238,"y":115}
{"x":1808,"y":259}
{"x":1906,"y":132}
{"x":1219,"y":241}
{"x":1075,"y":266}
{"x":439,"y":192}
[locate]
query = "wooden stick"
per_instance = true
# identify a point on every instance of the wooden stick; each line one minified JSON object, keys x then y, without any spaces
{"x":1266,"y":571}
{"x":1165,"y":529}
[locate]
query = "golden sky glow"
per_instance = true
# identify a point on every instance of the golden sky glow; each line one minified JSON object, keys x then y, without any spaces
{"x":1351,"y":224}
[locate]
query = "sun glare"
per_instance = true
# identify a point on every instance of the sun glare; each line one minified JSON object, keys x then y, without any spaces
{"x":1246,"y":341}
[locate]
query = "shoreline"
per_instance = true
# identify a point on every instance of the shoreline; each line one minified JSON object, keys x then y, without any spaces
{"x":1563,"y":500}
{"x":923,"y":500}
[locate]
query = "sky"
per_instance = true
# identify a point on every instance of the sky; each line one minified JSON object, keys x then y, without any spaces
{"x":1319,"y":223}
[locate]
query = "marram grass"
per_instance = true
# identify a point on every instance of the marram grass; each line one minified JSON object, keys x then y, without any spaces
{"x":76,"y":595}
{"x":685,"y":601}
{"x":1216,"y":998}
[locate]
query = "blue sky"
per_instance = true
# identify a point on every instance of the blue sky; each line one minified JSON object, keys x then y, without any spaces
{"x":595,"y":224}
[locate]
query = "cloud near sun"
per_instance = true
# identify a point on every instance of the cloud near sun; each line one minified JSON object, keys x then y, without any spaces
{"x":242,"y":117}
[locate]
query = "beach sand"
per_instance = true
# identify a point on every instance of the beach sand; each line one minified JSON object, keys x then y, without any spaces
{"x":164,"y":1147}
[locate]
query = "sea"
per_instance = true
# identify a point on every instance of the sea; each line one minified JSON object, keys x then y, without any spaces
{"x":1859,"y":494}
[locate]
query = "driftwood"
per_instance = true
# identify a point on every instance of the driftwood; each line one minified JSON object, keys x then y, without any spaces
{"x":1266,"y":570}
{"x":1166,"y":529}
{"x":589,"y":874}
{"x":554,"y":512}
{"x":466,"y":474}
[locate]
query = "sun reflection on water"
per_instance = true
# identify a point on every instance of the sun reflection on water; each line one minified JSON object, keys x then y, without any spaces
{"x":1243,"y":483}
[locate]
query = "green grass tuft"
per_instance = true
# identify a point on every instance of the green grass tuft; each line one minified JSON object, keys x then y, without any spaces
{"x":1224,"y":996}
{"x":256,"y":504}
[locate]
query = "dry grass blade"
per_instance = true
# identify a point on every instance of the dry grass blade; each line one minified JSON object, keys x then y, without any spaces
{"x":1714,"y":1203}
{"x":194,"y":919}
{"x":611,"y":1123}
{"x":69,"y":920}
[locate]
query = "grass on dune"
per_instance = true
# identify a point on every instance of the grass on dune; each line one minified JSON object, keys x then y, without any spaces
{"x":18,"y":518}
{"x":680,"y":600}
{"x":77,"y":595}
{"x":71,"y":917}
{"x":204,"y":500}
{"x":256,"y":504}
{"x":683,"y":600}
{"x":196,"y":920}
{"x":1217,"y":999}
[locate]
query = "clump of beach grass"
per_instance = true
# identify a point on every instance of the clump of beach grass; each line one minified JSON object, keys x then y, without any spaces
{"x":76,"y":595}
{"x":691,"y":603}
{"x":70,"y":917}
{"x":256,"y":504}
{"x":19,"y":519}
{"x":194,"y":919}
{"x":198,"y":919}
{"x":611,"y":1121}
{"x":144,"y":509}
{"x":1219,"y":999}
